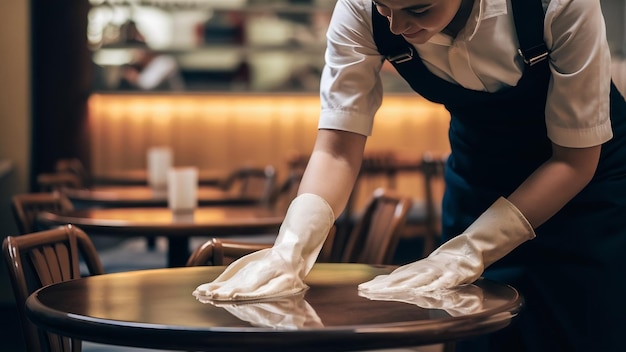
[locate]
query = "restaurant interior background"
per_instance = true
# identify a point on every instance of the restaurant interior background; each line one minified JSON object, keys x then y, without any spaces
{"x":63,"y":91}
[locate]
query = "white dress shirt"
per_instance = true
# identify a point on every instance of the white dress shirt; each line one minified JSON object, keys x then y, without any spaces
{"x":482,"y":57}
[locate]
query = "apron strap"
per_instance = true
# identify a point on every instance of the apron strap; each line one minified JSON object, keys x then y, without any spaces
{"x":529,"y":26}
{"x":393,"y":47}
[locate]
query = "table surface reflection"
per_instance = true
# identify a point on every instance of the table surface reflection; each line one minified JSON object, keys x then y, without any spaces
{"x":137,"y":196}
{"x":140,"y":177}
{"x":156,"y":309}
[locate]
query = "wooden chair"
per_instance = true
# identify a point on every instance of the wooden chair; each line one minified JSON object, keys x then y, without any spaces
{"x":74,"y":166}
{"x":223,"y":252}
{"x":373,"y":240}
{"x":216,"y":252}
{"x":251,"y":183}
{"x":57,"y":181}
{"x":286,"y":191}
{"x":423,"y":223}
{"x":380,"y":164}
{"x":379,"y":167}
{"x":42,"y":258}
{"x":375,"y":237}
{"x":25,"y":207}
{"x":424,"y":218}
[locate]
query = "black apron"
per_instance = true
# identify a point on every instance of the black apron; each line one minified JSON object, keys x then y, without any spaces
{"x":572,"y":275}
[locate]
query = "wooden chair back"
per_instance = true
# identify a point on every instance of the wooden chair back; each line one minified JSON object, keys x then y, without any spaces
{"x":424,"y":219}
{"x":216,"y":252}
{"x":433,"y":167}
{"x":223,"y":252}
{"x":375,"y":237}
{"x":38,"y":259}
{"x":25,"y":207}
{"x":57,"y":181}
{"x":286,"y":191}
{"x":251,"y":183}
{"x":74,"y":166}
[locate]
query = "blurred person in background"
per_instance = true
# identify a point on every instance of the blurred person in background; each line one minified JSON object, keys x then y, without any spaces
{"x":152,"y":71}
{"x":149,"y":70}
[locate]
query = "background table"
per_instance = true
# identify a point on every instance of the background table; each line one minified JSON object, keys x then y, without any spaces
{"x":140,"y":177}
{"x":214,"y":221}
{"x":156,"y":309}
{"x":144,"y":196}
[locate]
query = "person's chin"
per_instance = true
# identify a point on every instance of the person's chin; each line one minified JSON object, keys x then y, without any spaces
{"x":420,"y":37}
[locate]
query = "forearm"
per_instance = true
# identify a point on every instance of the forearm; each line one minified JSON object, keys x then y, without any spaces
{"x":333,"y":167}
{"x":555,"y":183}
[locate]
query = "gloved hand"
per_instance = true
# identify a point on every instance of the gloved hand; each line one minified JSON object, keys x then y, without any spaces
{"x":462,"y":259}
{"x":290,"y":313}
{"x":462,"y":300}
{"x":279,"y":270}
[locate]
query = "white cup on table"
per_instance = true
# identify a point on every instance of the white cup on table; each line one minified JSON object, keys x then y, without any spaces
{"x":182,"y":189}
{"x":160,"y":160}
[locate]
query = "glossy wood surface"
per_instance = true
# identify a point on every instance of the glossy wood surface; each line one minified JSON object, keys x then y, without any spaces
{"x":140,"y":177}
{"x":137,"y":196}
{"x":212,"y":220}
{"x":156,"y":309}
{"x":217,"y":221}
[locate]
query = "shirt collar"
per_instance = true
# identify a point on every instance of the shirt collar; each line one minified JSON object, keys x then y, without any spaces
{"x":482,"y":10}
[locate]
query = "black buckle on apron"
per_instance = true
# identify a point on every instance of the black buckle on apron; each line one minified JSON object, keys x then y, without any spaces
{"x":534,"y":55}
{"x":402,"y":57}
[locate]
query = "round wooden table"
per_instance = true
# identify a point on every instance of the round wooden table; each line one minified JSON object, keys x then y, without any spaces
{"x":140,"y":177}
{"x":214,"y":221}
{"x":156,"y":309}
{"x":144,"y":196}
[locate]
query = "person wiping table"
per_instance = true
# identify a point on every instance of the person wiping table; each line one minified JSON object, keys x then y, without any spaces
{"x":536,"y":180}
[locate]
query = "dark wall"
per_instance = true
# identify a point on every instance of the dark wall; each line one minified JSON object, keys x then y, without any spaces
{"x":61,"y":82}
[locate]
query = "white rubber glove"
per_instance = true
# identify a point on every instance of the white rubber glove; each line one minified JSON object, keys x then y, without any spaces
{"x":462,"y":259}
{"x":279,"y":270}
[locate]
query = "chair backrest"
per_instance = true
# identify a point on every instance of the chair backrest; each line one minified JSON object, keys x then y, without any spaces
{"x":286,"y":191}
{"x":381,"y":163}
{"x":424,"y":219}
{"x":223,"y":252}
{"x":251,"y":183}
{"x":375,"y":237}
{"x":74,"y":166}
{"x":38,"y":259}
{"x":26,"y":206}
{"x":297,"y":162}
{"x":57,"y":181}
{"x":433,"y":168}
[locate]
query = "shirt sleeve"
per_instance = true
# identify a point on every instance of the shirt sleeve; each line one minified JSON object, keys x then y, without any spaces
{"x":350,"y":86}
{"x":577,"y":107}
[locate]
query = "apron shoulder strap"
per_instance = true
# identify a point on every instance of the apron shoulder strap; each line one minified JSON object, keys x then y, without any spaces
{"x":529,"y":26}
{"x":393,"y":47}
